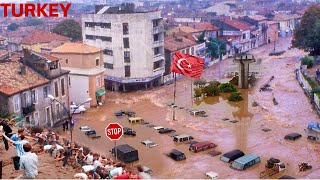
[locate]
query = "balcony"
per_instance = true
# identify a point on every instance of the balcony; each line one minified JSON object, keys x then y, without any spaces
{"x":158,"y":43}
{"x":29,"y":109}
{"x":158,"y":57}
{"x":158,"y":29}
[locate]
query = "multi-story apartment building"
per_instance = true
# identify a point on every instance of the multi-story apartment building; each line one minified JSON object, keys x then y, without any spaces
{"x":287,"y":23}
{"x":132,"y":43}
{"x":85,"y":64}
{"x":22,"y":93}
{"x":49,"y":67}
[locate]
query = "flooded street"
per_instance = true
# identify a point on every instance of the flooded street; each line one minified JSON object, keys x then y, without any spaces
{"x":291,"y":115}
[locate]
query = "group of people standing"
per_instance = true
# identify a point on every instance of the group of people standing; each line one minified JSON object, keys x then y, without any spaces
{"x":24,"y":160}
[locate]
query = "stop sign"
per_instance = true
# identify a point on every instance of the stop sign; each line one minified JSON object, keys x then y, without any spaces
{"x":114,"y":131}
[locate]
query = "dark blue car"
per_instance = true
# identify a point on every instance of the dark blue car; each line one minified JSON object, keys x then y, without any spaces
{"x":91,"y":132}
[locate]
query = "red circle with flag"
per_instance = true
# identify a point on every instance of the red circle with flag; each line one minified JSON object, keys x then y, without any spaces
{"x":114,"y":131}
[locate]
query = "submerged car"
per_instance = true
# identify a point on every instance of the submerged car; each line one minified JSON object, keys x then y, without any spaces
{"x":166,"y":130}
{"x":129,"y":131}
{"x":74,"y":109}
{"x":293,"y":136}
{"x":149,"y":143}
{"x":176,"y":155}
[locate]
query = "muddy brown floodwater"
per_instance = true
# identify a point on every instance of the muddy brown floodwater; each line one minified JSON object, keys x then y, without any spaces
{"x":291,"y":115}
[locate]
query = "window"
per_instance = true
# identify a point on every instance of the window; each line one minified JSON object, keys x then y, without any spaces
{"x":156,"y":50}
{"x":58,"y":111}
{"x":97,"y":62}
{"x":90,"y":37}
{"x":158,"y":64}
{"x":25,"y":100}
{"x":126,"y":71}
{"x":108,"y":65}
{"x":16,"y":101}
{"x":108,"y":52}
{"x":126,"y":43}
{"x":243,"y":36}
{"x":63,"y":92}
{"x":89,"y":24}
{"x":105,"y":25}
{"x":45,"y":92}
{"x":156,"y":37}
{"x":105,"y":38}
{"x":126,"y":55}
{"x":155,"y":22}
{"x":98,"y":81}
{"x":34,"y":96}
{"x":188,"y":51}
{"x":56,"y":89}
{"x":125,"y":28}
{"x":183,"y":51}
{"x":67,"y":61}
{"x":192,"y":50}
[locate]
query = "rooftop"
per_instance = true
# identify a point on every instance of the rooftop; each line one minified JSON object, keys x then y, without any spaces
{"x":11,"y":82}
{"x":237,"y":24}
{"x":173,"y":43}
{"x":285,"y":17}
{"x":78,"y":48}
{"x":52,"y":45}
{"x":257,"y":17}
{"x":40,"y":36}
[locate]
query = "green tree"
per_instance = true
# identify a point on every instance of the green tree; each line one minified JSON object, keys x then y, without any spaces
{"x":33,"y":22}
{"x":211,"y":90}
{"x":307,"y":33}
{"x":197,"y":93}
{"x":235,"y":81}
{"x":227,"y":88}
{"x":200,"y":82}
{"x":213,"y":47}
{"x":308,"y":60}
{"x":235,"y":96}
{"x":69,"y":28}
{"x":13,"y":27}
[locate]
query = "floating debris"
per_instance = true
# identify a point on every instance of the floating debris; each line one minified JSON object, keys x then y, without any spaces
{"x":275,"y":102}
{"x":181,"y":107}
{"x":304,"y":167}
{"x":225,"y":119}
{"x":234,"y":121}
{"x":266,"y":129}
{"x":255,"y":104}
{"x":214,"y":153}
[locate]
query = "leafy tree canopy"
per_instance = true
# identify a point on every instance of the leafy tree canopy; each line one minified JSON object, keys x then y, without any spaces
{"x":213,"y":47}
{"x":13,"y":27}
{"x":307,"y":33}
{"x":69,"y":28}
{"x":33,"y":22}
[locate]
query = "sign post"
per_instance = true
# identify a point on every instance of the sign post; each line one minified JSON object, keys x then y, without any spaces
{"x":114,"y":131}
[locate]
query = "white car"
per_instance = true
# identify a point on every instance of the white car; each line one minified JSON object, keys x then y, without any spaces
{"x":84,"y":128}
{"x":158,"y":128}
{"x":149,"y":143}
{"x":77,"y":110}
{"x":212,"y":175}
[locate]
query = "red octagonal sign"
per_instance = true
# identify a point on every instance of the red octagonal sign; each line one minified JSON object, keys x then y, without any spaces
{"x":114,"y":131}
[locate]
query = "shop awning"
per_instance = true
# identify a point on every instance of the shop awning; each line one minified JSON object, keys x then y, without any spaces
{"x":100,"y":92}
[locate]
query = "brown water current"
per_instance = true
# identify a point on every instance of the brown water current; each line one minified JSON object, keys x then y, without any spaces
{"x":291,"y":115}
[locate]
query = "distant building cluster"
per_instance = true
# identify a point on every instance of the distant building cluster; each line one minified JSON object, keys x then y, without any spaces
{"x":125,"y":47}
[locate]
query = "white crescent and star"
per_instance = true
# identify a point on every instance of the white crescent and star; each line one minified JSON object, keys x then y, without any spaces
{"x":179,"y":63}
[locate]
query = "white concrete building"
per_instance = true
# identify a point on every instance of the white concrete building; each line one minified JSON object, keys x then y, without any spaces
{"x":133,"y":44}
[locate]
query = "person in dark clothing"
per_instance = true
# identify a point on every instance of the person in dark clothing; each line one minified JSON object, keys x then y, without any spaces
{"x":7,"y":131}
{"x":65,"y":125}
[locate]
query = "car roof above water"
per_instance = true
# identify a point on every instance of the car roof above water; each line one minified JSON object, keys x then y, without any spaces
{"x":182,"y":136}
{"x":246,"y":158}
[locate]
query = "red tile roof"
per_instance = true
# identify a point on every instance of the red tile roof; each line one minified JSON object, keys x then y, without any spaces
{"x":46,"y":56}
{"x":40,"y":36}
{"x":11,"y":82}
{"x":173,"y":43}
{"x":237,"y":24}
{"x":204,"y":26}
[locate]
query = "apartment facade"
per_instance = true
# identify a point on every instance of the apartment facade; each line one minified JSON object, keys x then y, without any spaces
{"x":86,"y":78}
{"x":23,"y":93}
{"x":287,"y":23}
{"x":132,"y":43}
{"x":49,"y":67}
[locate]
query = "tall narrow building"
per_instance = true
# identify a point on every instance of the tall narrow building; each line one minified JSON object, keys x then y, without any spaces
{"x":132,"y":43}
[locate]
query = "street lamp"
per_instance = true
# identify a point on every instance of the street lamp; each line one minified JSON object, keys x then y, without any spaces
{"x":275,"y":37}
{"x":70,"y":114}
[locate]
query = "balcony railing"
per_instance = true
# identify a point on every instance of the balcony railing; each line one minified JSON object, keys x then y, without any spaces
{"x":158,"y":29}
{"x":29,"y":109}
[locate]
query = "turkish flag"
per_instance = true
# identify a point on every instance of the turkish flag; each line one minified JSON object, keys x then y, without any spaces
{"x":187,"y":65}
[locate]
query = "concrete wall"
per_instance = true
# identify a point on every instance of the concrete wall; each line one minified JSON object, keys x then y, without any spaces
{"x":141,"y":42}
{"x":79,"y":89}
{"x":34,"y":47}
{"x":93,"y":88}
{"x":83,"y":61}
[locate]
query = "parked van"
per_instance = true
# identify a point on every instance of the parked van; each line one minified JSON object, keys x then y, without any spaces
{"x":176,"y":155}
{"x":135,"y":119}
{"x":231,"y":156}
{"x":181,"y":138}
{"x":201,"y":146}
{"x":245,"y":162}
